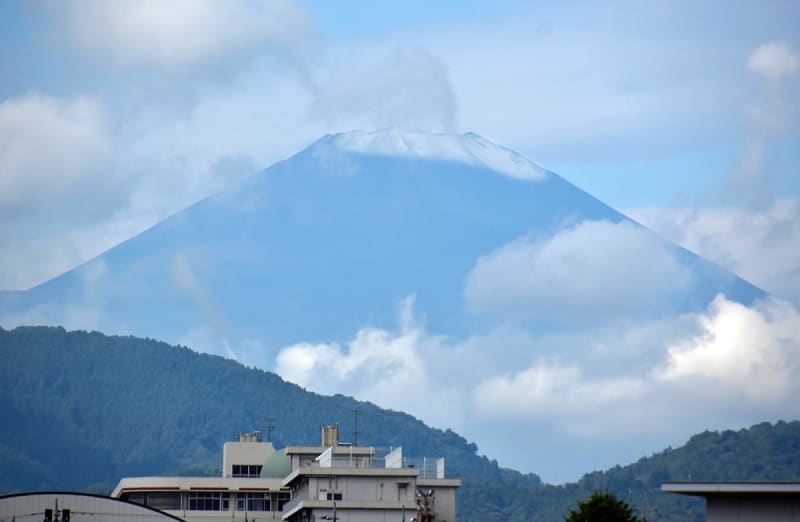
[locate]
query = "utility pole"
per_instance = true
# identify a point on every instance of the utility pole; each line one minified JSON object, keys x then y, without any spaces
{"x":270,"y":427}
{"x":355,"y":429}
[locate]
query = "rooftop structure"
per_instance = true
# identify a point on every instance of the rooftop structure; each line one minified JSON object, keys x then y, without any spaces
{"x":333,"y":481}
{"x":66,"y":507}
{"x":744,"y":501}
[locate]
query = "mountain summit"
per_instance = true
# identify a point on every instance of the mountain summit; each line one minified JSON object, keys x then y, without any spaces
{"x":469,"y":149}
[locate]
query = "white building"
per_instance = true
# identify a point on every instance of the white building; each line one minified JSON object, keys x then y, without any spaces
{"x":304,"y":483}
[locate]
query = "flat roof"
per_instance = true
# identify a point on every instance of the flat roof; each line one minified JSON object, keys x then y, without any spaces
{"x":438,"y":482}
{"x":131,"y":484}
{"x":334,"y":471}
{"x":337,"y":450}
{"x":731,"y":488}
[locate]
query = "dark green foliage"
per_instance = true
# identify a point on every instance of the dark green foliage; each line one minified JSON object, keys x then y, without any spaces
{"x":602,"y":507}
{"x":79,"y":410}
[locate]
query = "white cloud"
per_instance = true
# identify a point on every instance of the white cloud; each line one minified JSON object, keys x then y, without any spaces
{"x":593,"y":271}
{"x":751,"y":353}
{"x":407,"y":87}
{"x":760,"y":245}
{"x":740,"y":365}
{"x":48,"y":146}
{"x":397,"y":370}
{"x":180,"y":34}
{"x":650,"y":383}
{"x":774,"y":61}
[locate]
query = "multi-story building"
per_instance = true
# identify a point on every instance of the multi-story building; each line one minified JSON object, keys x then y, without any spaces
{"x":333,"y":481}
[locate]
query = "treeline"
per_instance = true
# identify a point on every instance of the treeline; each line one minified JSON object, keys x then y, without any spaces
{"x":81,"y":410}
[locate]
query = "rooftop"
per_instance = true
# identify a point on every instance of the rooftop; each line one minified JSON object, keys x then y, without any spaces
{"x":730,"y":488}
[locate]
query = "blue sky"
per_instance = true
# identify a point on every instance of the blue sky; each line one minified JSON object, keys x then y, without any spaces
{"x":114,"y":115}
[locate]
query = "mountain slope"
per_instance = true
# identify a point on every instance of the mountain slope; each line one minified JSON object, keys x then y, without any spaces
{"x":327,"y":242}
{"x":80,"y":410}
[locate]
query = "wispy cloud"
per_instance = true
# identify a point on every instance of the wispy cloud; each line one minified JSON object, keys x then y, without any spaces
{"x":407,"y":87}
{"x":770,"y":114}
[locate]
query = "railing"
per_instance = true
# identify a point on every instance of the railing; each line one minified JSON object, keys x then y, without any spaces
{"x":426,"y":466}
{"x":288,"y":506}
{"x":345,"y":461}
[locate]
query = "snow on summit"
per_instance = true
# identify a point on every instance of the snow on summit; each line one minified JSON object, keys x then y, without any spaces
{"x":466,"y":148}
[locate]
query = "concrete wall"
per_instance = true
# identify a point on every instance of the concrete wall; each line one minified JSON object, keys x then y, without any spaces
{"x":361,"y":489}
{"x":753,"y":508}
{"x":254,"y":453}
{"x":361,"y":515}
{"x":445,"y":505}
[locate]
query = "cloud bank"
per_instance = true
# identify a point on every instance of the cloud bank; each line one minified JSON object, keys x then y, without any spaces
{"x":730,"y":365}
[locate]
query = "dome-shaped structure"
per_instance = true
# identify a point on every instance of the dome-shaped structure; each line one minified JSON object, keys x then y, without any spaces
{"x":277,"y":465}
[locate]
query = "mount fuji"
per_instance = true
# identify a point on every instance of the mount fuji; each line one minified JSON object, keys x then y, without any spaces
{"x":330,"y":239}
{"x":327,"y":242}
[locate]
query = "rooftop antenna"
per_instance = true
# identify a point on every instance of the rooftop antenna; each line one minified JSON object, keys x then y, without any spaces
{"x":355,"y":429}
{"x":270,"y":427}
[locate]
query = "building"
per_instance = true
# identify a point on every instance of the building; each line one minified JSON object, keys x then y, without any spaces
{"x":744,"y":501}
{"x":74,"y":507}
{"x":333,"y":481}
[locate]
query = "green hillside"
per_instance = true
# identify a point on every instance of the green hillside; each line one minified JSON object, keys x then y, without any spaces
{"x":80,"y":410}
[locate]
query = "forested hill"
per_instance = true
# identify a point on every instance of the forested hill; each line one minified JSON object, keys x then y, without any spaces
{"x":80,"y":410}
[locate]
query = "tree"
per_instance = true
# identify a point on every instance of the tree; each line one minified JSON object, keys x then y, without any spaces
{"x":602,"y":507}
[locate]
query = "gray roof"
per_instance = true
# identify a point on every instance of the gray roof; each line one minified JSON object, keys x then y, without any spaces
{"x":731,"y":488}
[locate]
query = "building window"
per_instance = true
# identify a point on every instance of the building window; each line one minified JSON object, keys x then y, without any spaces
{"x":334,"y":496}
{"x":138,"y":498}
{"x":246,"y":470}
{"x":402,"y":491}
{"x":209,"y":501}
{"x":165,"y":500}
{"x":282,"y":499}
{"x":252,"y":501}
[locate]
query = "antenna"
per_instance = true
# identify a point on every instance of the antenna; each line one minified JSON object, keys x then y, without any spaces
{"x":270,"y":427}
{"x":355,"y":429}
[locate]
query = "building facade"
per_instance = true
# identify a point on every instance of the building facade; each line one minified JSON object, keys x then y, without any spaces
{"x":333,"y":481}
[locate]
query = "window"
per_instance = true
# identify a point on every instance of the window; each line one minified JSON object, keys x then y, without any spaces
{"x":138,"y":498}
{"x":246,"y":470}
{"x":252,"y":501}
{"x":283,"y":498}
{"x":402,"y":491}
{"x":165,"y":500}
{"x":208,"y":501}
{"x":334,"y":496}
